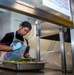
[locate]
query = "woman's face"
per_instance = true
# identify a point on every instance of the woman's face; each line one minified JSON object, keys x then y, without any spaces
{"x":23,"y":30}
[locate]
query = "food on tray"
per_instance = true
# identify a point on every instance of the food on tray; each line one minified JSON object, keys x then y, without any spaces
{"x":20,"y":61}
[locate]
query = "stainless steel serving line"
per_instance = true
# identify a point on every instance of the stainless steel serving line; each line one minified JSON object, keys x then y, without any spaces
{"x":17,"y":6}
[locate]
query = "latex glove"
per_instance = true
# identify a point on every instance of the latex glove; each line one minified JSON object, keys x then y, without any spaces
{"x":30,"y":56}
{"x":17,"y":46}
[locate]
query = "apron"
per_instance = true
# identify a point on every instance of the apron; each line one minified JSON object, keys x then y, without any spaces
{"x":16,"y":54}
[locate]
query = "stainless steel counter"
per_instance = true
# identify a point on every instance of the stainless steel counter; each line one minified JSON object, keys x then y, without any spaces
{"x":42,"y":72}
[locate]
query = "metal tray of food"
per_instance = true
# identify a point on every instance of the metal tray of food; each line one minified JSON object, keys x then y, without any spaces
{"x":22,"y":65}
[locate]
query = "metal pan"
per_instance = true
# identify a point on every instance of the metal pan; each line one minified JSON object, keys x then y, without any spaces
{"x":22,"y":65}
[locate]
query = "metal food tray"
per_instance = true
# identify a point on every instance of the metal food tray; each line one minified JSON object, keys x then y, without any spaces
{"x":22,"y":66}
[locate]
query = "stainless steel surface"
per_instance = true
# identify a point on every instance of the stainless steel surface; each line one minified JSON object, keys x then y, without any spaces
{"x":62,"y":46}
{"x":38,"y":48}
{"x":39,"y":4}
{"x":72,"y":10}
{"x":48,"y":29}
{"x":72,"y":45}
{"x":19,"y":7}
{"x":22,"y":66}
{"x":43,"y":72}
{"x":38,"y":41}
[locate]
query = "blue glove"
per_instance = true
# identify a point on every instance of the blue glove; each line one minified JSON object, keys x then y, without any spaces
{"x":30,"y":56}
{"x":17,"y":46}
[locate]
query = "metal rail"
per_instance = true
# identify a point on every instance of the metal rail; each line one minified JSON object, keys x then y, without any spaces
{"x":62,"y":46}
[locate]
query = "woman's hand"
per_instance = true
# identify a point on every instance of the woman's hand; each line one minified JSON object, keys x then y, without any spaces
{"x":26,"y":55}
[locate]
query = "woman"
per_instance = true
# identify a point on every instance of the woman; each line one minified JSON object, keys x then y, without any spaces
{"x":6,"y":43}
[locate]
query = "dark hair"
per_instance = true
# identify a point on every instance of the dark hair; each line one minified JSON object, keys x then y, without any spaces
{"x":26,"y":24}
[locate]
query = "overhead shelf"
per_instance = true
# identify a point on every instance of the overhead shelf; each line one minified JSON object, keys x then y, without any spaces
{"x":18,"y":6}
